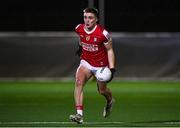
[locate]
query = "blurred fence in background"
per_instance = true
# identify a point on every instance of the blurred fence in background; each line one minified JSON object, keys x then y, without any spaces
{"x":51,"y":55}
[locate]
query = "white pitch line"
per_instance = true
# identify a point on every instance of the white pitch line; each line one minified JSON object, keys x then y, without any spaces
{"x":49,"y":122}
{"x":172,"y":122}
{"x":66,"y":123}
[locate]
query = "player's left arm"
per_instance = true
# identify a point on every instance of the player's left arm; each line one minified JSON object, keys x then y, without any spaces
{"x":110,"y":53}
{"x":111,"y":57}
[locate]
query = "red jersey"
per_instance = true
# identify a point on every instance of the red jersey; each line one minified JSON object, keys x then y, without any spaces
{"x":93,"y":49}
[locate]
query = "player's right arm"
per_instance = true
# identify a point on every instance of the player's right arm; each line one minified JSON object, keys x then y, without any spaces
{"x":79,"y":50}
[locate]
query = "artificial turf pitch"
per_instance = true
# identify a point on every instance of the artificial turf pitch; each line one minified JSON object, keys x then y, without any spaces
{"x":49,"y":104}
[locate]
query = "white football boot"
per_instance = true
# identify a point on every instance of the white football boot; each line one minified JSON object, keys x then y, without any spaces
{"x":108,"y":108}
{"x":76,"y":118}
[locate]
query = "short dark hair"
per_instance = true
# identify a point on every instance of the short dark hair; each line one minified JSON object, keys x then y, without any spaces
{"x":91,"y":10}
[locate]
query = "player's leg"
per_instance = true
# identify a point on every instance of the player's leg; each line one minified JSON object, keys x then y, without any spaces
{"x":82,"y":76}
{"x":106,"y":92}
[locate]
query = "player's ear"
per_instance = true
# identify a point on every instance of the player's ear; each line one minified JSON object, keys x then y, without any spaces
{"x":97,"y":19}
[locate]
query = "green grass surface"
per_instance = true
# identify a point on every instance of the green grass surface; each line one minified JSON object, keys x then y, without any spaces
{"x":145,"y":104}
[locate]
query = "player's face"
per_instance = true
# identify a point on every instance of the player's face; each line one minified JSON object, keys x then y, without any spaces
{"x":90,"y":20}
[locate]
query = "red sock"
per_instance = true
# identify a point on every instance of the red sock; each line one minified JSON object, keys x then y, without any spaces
{"x":79,"y":109}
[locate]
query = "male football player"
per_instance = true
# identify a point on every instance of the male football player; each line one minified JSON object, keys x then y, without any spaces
{"x":95,"y":51}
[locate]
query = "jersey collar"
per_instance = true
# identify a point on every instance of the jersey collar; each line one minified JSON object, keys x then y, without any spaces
{"x":89,"y":32}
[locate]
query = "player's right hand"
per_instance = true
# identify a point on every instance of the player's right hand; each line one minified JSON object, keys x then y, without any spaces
{"x":79,"y":51}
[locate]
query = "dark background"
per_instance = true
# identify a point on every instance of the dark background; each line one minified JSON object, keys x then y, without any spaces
{"x":64,"y":15}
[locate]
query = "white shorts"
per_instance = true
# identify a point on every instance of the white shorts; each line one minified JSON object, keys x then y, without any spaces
{"x":88,"y":66}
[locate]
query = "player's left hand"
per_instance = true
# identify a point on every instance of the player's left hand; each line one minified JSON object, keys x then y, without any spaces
{"x":113,"y":70}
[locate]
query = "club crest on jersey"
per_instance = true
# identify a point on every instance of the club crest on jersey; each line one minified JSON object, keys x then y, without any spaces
{"x":87,"y":38}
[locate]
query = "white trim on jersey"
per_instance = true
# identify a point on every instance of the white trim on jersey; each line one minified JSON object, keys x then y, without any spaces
{"x":108,"y":41}
{"x":77,"y":26}
{"x":106,"y":34}
{"x":89,"y":32}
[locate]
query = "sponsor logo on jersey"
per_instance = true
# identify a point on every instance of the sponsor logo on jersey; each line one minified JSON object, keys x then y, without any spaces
{"x":90,"y":47}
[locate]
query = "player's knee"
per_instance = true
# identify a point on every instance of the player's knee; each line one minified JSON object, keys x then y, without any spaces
{"x":79,"y":82}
